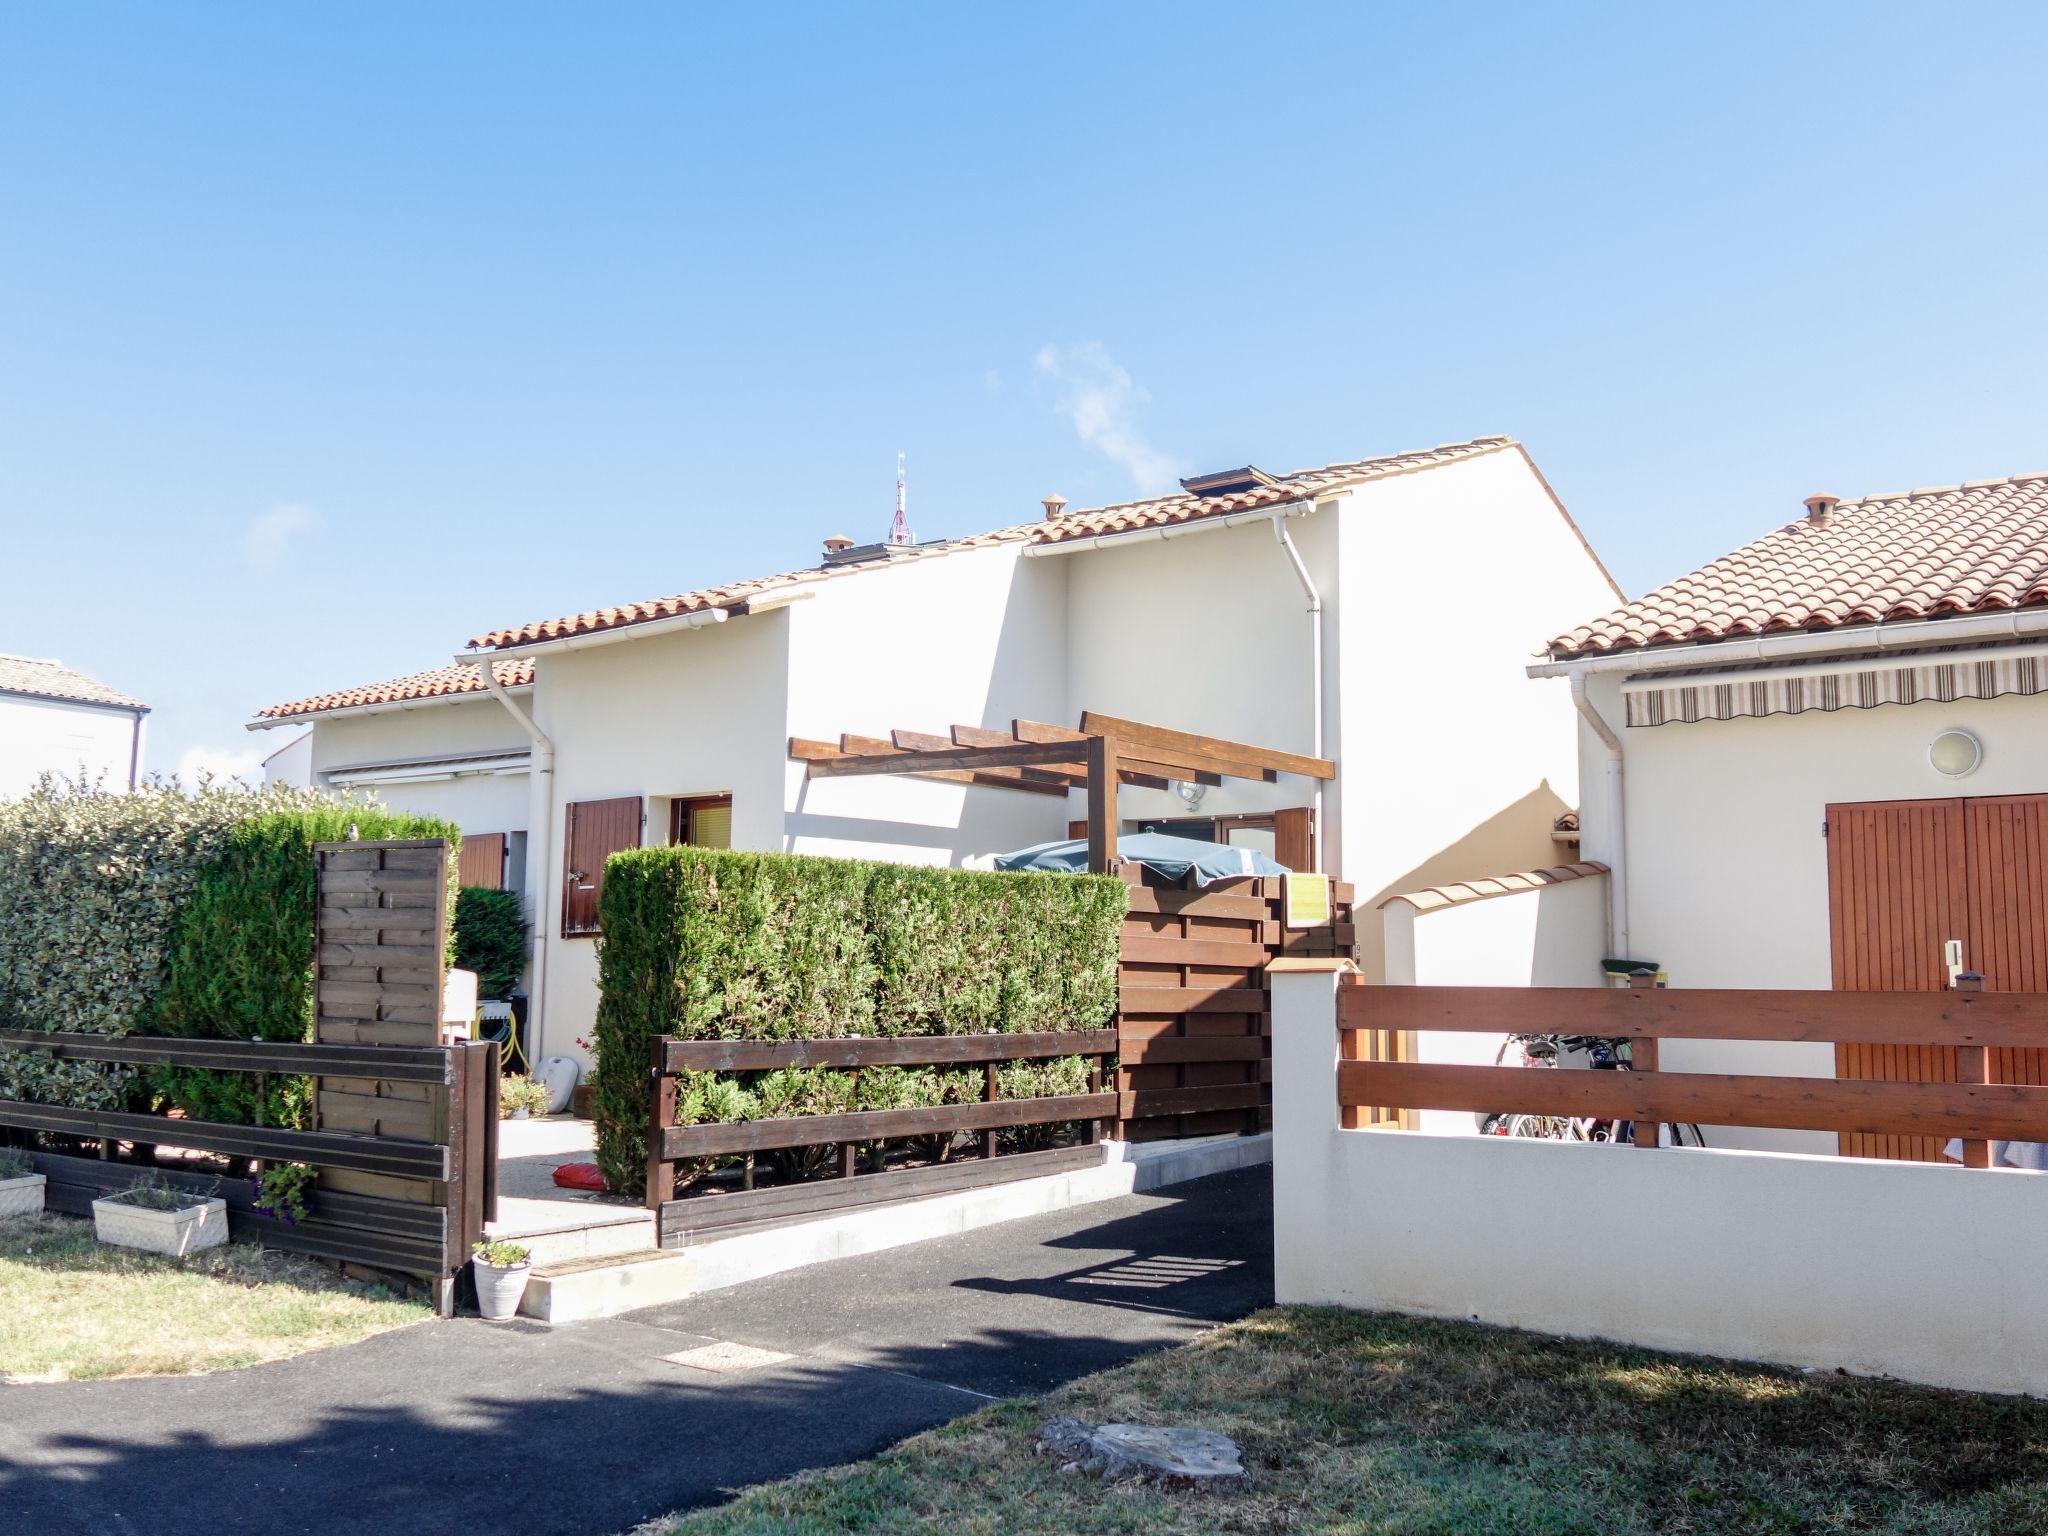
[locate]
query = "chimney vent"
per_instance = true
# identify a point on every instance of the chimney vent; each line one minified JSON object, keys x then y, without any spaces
{"x":837,"y":544}
{"x":1054,"y":505}
{"x":1818,"y":508}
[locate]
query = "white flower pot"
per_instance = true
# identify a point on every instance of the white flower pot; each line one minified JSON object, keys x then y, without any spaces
{"x":22,"y":1196}
{"x":171,"y":1233}
{"x":498,"y":1290}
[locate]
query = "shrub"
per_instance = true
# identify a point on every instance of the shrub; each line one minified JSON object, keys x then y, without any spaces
{"x":490,"y":938}
{"x":516,"y":1093}
{"x":165,"y":912}
{"x":705,"y":944}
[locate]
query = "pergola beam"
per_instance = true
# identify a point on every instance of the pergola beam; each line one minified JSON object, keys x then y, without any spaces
{"x":1165,"y":767}
{"x":1138,"y":775}
{"x":1140,"y":739}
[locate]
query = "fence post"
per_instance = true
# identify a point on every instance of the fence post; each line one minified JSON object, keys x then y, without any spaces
{"x":661,"y":1173}
{"x":1643,"y":1057}
{"x":1973,"y":1065}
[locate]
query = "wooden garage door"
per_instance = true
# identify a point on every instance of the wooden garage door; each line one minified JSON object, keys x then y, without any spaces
{"x":1905,"y":876}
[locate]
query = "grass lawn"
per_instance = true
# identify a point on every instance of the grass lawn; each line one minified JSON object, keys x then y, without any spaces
{"x":1368,"y":1423}
{"x":74,"y":1309}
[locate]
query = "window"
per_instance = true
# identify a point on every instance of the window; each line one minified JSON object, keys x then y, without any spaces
{"x":595,"y":830}
{"x":701,"y":821}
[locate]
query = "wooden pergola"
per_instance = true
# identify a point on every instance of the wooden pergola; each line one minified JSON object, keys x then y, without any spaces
{"x":1039,"y":759}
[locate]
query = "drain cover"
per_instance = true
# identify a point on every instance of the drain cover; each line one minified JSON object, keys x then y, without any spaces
{"x":726,"y":1357}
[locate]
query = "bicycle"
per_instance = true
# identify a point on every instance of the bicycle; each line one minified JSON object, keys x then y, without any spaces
{"x":1605,"y":1054}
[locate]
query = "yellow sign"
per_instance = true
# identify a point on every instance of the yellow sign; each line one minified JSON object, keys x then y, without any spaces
{"x":1305,"y":900}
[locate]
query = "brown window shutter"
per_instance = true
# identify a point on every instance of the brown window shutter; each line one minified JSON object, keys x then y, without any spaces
{"x":1294,"y":842}
{"x":483,"y":860}
{"x":595,"y":830}
{"x":1077,"y":831}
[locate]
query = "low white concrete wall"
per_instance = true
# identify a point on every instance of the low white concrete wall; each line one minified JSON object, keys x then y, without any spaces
{"x":1552,"y":936}
{"x":1918,"y":1271}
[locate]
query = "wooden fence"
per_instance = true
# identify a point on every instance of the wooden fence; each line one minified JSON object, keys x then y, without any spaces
{"x":1973,"y":1022}
{"x":428,"y":1240}
{"x":1193,"y":1022}
{"x":685,"y":1220}
{"x":404,"y":1133}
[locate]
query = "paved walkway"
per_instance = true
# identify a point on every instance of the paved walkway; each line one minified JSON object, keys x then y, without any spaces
{"x":588,"y":1428}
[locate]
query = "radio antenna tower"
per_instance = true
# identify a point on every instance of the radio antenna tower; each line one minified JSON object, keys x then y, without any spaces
{"x":899,"y":531}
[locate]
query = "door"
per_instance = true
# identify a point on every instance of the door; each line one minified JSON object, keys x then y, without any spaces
{"x":1904,"y":878}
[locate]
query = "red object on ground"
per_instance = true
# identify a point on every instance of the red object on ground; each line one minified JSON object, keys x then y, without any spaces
{"x":580,"y":1176}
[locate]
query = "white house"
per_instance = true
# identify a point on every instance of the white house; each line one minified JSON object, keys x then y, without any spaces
{"x":55,"y":719}
{"x":1373,"y":612}
{"x":1822,"y":761}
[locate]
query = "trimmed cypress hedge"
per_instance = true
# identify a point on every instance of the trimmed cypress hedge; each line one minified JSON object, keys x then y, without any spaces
{"x":706,"y":944}
{"x":163,"y":911}
{"x":490,"y":938}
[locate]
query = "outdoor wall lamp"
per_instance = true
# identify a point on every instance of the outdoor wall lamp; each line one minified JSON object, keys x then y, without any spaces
{"x":1955,"y":754}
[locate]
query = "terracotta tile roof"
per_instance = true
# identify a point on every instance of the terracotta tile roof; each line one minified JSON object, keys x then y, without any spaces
{"x":1082,"y":523}
{"x":53,"y":680}
{"x":1497,"y":885}
{"x":1974,"y":548}
{"x":442,"y":682}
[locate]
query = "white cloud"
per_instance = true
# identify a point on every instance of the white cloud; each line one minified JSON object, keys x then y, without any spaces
{"x":223,"y":763}
{"x":1102,"y":400}
{"x":271,"y":534}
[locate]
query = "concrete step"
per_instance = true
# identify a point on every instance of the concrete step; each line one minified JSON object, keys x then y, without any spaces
{"x":604,"y":1286}
{"x":557,"y":1231}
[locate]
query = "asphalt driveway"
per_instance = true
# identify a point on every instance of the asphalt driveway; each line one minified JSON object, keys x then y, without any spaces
{"x":585,"y":1429}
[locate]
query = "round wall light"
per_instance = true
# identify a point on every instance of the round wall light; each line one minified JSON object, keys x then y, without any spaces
{"x":1955,"y":754}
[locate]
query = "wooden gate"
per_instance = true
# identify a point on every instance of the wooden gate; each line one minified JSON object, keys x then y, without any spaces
{"x":1905,"y":877}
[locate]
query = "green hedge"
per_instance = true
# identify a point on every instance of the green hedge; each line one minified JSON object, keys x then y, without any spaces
{"x":161,"y":911}
{"x":490,"y":938}
{"x":714,"y":945}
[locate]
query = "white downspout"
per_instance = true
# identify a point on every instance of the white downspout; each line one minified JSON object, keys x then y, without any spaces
{"x":540,"y":824}
{"x":1315,"y":619}
{"x":1614,"y":816}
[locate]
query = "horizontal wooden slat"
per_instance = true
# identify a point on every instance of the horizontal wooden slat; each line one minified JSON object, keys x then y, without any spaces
{"x":1696,"y":1013}
{"x":1149,"y":1103}
{"x":717,"y":1214}
{"x":1177,"y":1050}
{"x":907,"y":1050}
{"x":1997,"y":1111}
{"x":399,"y":1063}
{"x":323,"y":1149}
{"x":1193,"y":952}
{"x":1144,"y":737}
{"x":1223,"y":997}
{"x":1175,"y":903}
{"x":686,"y":1141}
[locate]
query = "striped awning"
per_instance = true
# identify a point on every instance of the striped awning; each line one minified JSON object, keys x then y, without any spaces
{"x":1923,"y":677}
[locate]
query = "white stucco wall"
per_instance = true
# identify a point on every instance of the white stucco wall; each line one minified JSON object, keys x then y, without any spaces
{"x":292,"y":763}
{"x":1727,"y":867}
{"x":1550,"y":937}
{"x":1888,"y":1269}
{"x":1455,"y":763}
{"x":39,"y":736}
{"x":971,"y":638}
{"x":486,"y":802}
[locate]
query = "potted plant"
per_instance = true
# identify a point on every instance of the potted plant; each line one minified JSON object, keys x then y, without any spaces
{"x":21,"y":1187}
{"x":520,"y":1097}
{"x":500,"y":1271}
{"x":158,"y":1217}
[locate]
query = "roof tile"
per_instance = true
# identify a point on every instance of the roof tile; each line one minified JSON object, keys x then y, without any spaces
{"x":53,"y":680}
{"x":1958,"y":549}
{"x":442,"y":682}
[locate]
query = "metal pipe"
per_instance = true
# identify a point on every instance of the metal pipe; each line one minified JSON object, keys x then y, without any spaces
{"x":540,"y":822}
{"x":1315,"y":620}
{"x":1614,"y":816}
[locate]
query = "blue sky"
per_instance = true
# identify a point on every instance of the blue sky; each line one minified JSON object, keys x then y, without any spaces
{"x":331,"y":337}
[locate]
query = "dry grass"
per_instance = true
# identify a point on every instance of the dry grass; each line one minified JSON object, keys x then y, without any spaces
{"x":1372,"y":1425}
{"x":73,"y":1309}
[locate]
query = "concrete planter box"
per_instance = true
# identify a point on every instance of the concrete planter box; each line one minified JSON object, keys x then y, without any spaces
{"x":22,"y":1196}
{"x":174,"y":1234}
